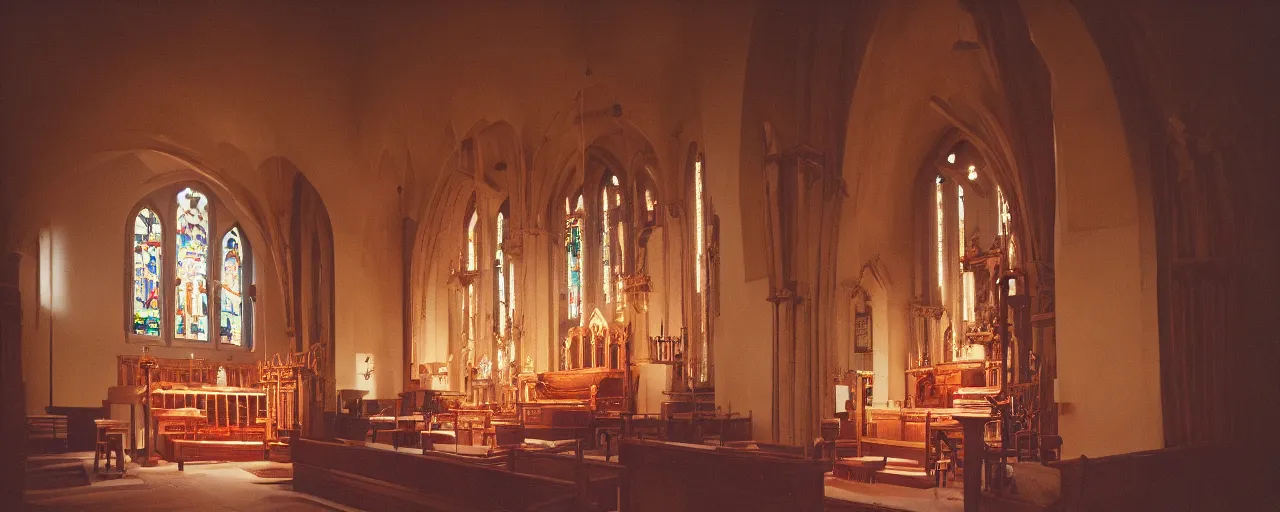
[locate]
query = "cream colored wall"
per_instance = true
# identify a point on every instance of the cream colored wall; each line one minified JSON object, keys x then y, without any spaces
{"x":1108,"y":345}
{"x":230,"y":91}
{"x":77,"y":275}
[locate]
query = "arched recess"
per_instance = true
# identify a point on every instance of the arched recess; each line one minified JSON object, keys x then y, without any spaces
{"x":936,"y":72}
{"x":485,"y":169}
{"x":312,"y":289}
{"x":582,"y":145}
{"x":863,"y":313}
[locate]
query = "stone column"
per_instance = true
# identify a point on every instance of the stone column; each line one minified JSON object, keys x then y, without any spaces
{"x":802,"y":199}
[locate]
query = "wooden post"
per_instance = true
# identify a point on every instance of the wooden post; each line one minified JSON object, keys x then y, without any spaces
{"x":974,"y":445}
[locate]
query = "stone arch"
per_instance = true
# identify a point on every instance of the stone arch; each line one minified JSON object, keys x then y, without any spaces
{"x":873,"y":287}
{"x":313,"y":294}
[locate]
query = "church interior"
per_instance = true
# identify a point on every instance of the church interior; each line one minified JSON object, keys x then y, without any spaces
{"x":637,"y":256}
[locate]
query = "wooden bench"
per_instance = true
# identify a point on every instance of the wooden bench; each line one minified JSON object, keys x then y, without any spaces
{"x":675,"y":477}
{"x":188,"y":450}
{"x":1234,"y":477}
{"x":374,"y":479}
{"x":598,"y":481}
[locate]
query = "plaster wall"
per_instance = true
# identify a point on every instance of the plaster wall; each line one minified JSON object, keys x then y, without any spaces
{"x":1108,"y":345}
{"x":96,"y":79}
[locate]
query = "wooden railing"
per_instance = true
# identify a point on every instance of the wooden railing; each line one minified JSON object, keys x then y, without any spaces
{"x":224,"y":408}
{"x":185,"y":371}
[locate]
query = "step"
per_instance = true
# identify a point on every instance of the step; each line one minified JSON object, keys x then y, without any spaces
{"x":911,"y":477}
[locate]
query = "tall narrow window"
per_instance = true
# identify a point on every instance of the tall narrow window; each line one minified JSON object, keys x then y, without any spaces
{"x":620,"y":263}
{"x":1005,"y":224}
{"x":941,"y":237}
{"x":231,"y":316}
{"x":606,"y":239}
{"x":1002,"y":213}
{"x":147,"y":249}
{"x":472,"y":265}
{"x":960,"y":217}
{"x":191,"y":300}
{"x":573,"y":214}
{"x":700,"y":267}
{"x":966,"y":278}
{"x":500,"y":276}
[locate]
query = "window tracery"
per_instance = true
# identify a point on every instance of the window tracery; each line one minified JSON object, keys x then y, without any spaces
{"x":201,"y":267}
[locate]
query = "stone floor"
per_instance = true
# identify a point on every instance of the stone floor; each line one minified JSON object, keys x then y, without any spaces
{"x":65,"y":482}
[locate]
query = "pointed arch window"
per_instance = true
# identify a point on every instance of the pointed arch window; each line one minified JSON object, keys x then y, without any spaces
{"x":204,"y":287}
{"x":191,"y":258}
{"x":962,"y":262}
{"x":612,"y":248}
{"x":148,"y":249}
{"x":575,"y":214}
{"x":471,"y":304}
{"x":233,"y":316}
{"x":940,"y":236}
{"x":504,"y":277}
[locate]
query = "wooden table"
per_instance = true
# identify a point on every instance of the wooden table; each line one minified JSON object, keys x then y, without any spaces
{"x":110,"y":438}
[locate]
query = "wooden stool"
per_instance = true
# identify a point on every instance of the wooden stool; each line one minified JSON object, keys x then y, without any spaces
{"x":110,"y":438}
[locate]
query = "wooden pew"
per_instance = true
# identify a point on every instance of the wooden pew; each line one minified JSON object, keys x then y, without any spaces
{"x":1197,"y":478}
{"x":374,"y":479}
{"x":676,"y":477}
{"x":597,"y":481}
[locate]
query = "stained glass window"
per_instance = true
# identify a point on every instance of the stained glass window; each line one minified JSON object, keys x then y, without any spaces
{"x":500,"y":276}
{"x":573,"y":256}
{"x":191,"y":300}
{"x":147,"y":249}
{"x":231,"y":316}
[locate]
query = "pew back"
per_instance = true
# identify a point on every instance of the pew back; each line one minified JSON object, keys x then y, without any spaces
{"x":672,"y":477}
{"x":375,"y":479}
